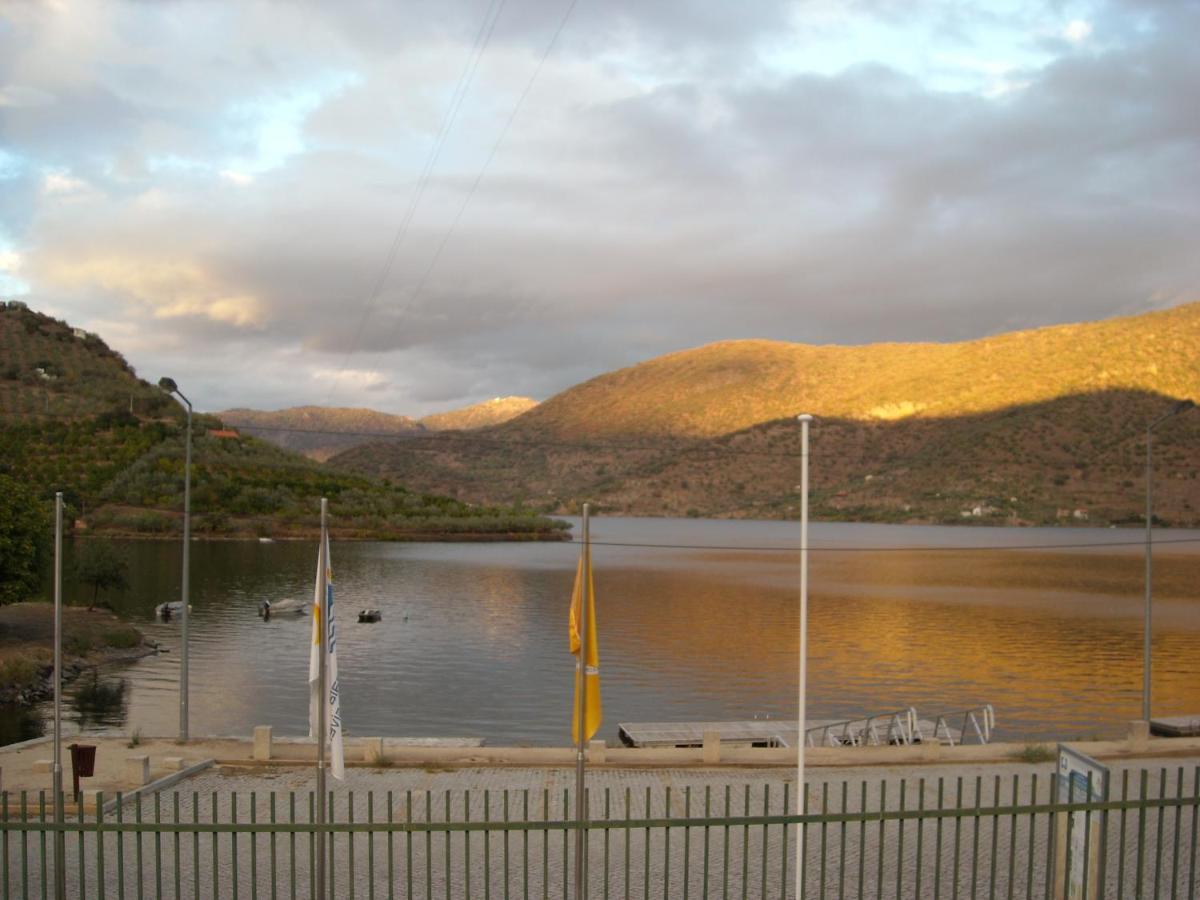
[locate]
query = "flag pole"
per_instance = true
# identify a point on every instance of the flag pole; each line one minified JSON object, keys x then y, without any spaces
{"x":581,"y":675}
{"x":804,"y":420}
{"x":60,"y":836}
{"x":322,"y":702}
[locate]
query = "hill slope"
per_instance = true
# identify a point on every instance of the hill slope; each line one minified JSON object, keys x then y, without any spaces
{"x":65,"y":424}
{"x":479,"y":415}
{"x":319,"y":432}
{"x":1076,"y":459}
{"x":725,"y":387}
{"x":919,"y":432}
{"x":49,"y":371}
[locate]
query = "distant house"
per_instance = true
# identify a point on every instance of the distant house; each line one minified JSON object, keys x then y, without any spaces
{"x":79,"y":333}
{"x":223,"y":433}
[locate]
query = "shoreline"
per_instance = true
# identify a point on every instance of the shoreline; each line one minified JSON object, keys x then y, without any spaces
{"x":27,"y":655}
{"x":439,"y":537}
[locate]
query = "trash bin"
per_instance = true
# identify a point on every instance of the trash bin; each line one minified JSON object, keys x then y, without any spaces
{"x":83,"y":759}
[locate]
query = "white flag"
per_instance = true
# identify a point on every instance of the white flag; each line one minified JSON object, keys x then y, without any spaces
{"x":323,"y":617}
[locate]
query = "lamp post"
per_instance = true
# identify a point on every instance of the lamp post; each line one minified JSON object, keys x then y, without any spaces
{"x":1181,"y":407}
{"x":802,"y":719}
{"x":169,"y":385}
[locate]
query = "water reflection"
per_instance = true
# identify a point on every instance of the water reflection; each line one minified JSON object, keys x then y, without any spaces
{"x":473,"y":638}
{"x":99,"y":702}
{"x":18,"y":723}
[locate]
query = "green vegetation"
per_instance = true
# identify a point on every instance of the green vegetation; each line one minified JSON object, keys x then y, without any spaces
{"x":23,"y":529}
{"x":102,"y":568}
{"x":74,"y":417}
{"x":1035,"y":753}
{"x":23,"y":673}
{"x":246,"y":486}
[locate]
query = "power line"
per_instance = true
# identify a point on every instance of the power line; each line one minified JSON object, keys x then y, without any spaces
{"x":492,"y":155}
{"x":465,"y":79}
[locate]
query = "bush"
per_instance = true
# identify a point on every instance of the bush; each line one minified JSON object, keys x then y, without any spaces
{"x":24,"y":534}
{"x":123,"y":637}
{"x":20,"y":672}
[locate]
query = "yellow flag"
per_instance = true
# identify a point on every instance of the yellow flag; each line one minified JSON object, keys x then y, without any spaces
{"x":592,"y":710}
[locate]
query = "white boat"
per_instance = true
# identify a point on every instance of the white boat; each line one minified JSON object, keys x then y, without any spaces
{"x":289,"y":606}
{"x":164,"y":611}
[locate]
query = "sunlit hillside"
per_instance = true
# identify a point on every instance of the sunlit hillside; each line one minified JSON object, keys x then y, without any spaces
{"x":479,"y":415}
{"x":1039,"y":426}
{"x":725,"y":387}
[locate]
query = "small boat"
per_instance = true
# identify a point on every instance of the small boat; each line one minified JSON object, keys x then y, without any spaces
{"x":164,"y":611}
{"x":266,"y":540}
{"x":287,"y":606}
{"x":370,"y":615}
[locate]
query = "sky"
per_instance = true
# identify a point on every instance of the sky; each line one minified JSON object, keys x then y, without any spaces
{"x":414,"y":206}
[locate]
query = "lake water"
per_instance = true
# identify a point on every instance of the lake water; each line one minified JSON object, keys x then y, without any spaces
{"x":473,"y":640}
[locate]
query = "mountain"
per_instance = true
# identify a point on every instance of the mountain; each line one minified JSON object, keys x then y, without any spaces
{"x":320,"y":432}
{"x":725,"y":387}
{"x":479,"y":415}
{"x":1041,"y":426}
{"x":74,"y":417}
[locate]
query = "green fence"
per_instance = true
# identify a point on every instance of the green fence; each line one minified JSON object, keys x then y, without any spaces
{"x":985,"y":836}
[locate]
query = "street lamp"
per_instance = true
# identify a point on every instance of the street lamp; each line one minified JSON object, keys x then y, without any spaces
{"x":805,"y":420}
{"x":169,"y":385}
{"x":1181,"y":407}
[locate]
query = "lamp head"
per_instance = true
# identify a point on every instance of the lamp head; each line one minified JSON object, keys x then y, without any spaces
{"x":168,"y":385}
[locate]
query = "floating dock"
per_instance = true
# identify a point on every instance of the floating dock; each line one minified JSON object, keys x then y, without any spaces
{"x":1176,"y":726}
{"x":899,"y":728}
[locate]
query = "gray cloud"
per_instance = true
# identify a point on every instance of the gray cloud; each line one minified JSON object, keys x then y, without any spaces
{"x":229,"y":214}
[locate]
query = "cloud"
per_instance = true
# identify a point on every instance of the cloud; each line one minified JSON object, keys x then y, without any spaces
{"x":216,"y":188}
{"x":1077,"y":31}
{"x":164,"y":289}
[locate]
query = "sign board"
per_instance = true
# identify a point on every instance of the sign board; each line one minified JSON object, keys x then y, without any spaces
{"x":1079,"y":842}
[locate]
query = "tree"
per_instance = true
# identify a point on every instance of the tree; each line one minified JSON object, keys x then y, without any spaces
{"x":101,"y":566}
{"x":24,"y":530}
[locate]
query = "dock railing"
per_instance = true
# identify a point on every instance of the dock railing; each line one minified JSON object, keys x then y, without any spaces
{"x":898,"y":727}
{"x":994,"y":837}
{"x":978,"y":722}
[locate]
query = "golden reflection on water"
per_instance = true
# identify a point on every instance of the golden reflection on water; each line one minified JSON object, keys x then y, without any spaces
{"x":1053,"y":640}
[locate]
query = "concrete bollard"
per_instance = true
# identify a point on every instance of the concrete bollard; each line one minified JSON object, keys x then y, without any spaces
{"x":137,"y":770}
{"x":43,"y":765}
{"x":595,"y":751}
{"x":1139,"y":735}
{"x":262,"y":742}
{"x":174,"y":763}
{"x":710,"y":752}
{"x":373,"y":751}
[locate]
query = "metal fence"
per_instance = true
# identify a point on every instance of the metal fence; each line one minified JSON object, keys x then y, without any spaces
{"x":978,"y":837}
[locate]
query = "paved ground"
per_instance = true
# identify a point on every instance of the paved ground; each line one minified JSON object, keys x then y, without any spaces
{"x":954,"y":856}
